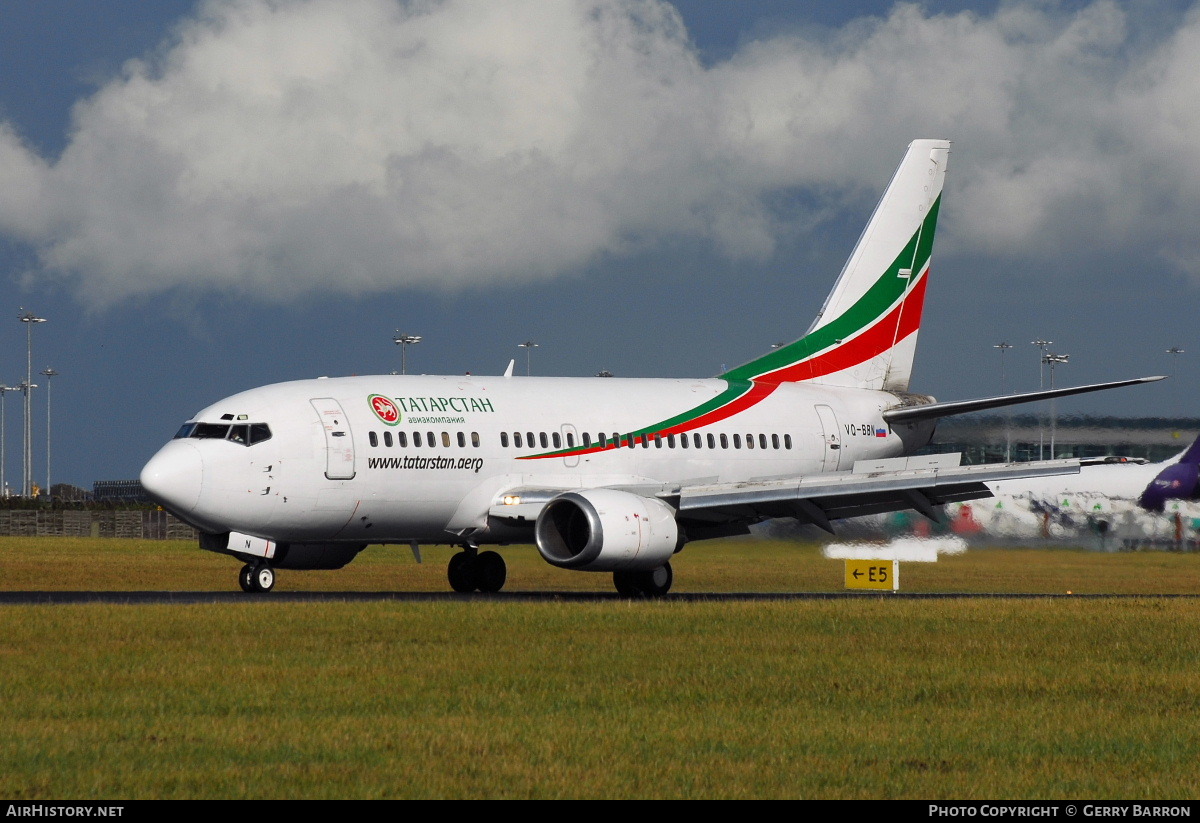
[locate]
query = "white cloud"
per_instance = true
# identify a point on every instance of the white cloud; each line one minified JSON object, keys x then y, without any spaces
{"x":285,"y":148}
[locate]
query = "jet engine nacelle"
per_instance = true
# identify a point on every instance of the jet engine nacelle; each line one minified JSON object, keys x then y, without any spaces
{"x":605,"y":530}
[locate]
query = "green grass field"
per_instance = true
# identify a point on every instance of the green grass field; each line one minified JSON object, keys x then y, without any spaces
{"x":872,"y":697}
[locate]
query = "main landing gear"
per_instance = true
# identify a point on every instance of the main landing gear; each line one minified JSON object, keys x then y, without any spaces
{"x":472,"y":570}
{"x":256,"y":578}
{"x":653,"y":583}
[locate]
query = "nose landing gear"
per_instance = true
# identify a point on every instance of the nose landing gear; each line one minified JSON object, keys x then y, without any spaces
{"x":256,"y":578}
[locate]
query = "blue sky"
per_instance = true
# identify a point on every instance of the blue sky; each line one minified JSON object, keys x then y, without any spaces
{"x":202,"y":198}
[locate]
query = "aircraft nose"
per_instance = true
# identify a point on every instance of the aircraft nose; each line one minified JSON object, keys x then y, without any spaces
{"x":174,"y":476}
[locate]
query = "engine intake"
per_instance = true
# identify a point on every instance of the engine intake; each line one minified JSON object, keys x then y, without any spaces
{"x":604,"y":530}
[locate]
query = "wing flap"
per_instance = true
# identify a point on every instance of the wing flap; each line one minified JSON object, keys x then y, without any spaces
{"x":854,"y":493}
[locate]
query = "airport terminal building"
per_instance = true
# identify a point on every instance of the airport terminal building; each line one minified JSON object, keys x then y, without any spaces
{"x":992,"y":438}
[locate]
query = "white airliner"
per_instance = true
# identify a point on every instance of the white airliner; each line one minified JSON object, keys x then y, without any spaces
{"x":603,"y":474}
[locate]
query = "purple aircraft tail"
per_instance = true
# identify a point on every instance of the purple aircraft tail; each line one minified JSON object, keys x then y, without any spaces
{"x":1179,"y":481}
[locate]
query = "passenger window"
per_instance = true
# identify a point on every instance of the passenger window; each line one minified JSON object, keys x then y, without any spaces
{"x":645,"y":441}
{"x":683,"y":441}
{"x":737,"y":441}
{"x":557,"y":438}
{"x":749,"y":441}
{"x":775,"y":441}
{"x":762,"y":441}
{"x":724,"y":442}
{"x":787,"y":441}
{"x":671,"y":440}
{"x":697,"y":440}
{"x":529,"y":438}
{"x":402,"y":440}
{"x":373,"y":438}
{"x":417,"y":439}
{"x":445,"y":439}
{"x":570,"y":440}
{"x":462,"y":440}
{"x":712,"y":441}
{"x":658,"y":441}
{"x":587,"y":440}
{"x":517,"y":439}
{"x":504,"y":439}
{"x":543,"y":440}
{"x":259,"y":432}
{"x":475,"y":439}
{"x":387,"y":439}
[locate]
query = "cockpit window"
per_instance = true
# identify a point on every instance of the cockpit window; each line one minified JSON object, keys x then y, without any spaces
{"x":245,"y":433}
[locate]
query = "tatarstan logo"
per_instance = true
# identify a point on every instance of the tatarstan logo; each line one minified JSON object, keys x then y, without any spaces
{"x":385,"y":409}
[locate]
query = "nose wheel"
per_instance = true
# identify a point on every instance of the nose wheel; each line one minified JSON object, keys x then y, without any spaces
{"x":256,"y":578}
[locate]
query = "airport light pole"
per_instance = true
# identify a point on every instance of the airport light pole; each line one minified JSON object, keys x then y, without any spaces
{"x":404,"y":341}
{"x":528,"y":346}
{"x":1004,"y":347}
{"x":1042,"y":348}
{"x":1175,"y":351}
{"x":3,"y":437}
{"x":1052,"y":360}
{"x":48,"y":372}
{"x":26,"y":388}
{"x":28,"y":318}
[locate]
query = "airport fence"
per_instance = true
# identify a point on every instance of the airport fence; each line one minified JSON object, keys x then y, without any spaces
{"x":129,"y":524}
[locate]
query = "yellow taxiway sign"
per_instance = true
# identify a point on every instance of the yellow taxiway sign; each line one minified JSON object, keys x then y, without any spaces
{"x":873,"y":574}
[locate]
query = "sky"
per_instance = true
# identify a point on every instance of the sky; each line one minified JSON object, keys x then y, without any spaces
{"x":203,"y":197}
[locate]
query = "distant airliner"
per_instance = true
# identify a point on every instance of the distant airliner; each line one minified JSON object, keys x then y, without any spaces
{"x":1117,"y":503}
{"x":604,"y":475}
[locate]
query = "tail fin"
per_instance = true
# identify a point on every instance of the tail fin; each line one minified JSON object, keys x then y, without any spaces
{"x":865,"y":335}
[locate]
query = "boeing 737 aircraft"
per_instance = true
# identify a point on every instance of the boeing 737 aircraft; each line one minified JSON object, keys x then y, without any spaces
{"x":603,"y":474}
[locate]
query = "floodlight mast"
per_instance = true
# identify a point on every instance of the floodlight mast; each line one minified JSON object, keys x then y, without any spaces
{"x":1004,"y":347}
{"x":528,"y":346}
{"x":48,"y":372}
{"x":28,"y":318}
{"x":1053,"y":360}
{"x":4,"y":390}
{"x":1042,"y":347}
{"x":404,"y":341}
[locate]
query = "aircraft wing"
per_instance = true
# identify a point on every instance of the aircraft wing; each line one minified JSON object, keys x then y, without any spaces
{"x":872,"y":487}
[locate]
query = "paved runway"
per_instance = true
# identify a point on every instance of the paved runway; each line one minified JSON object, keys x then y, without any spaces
{"x":187,"y":598}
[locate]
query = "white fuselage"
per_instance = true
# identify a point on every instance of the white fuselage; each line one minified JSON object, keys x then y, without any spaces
{"x":428,"y":460}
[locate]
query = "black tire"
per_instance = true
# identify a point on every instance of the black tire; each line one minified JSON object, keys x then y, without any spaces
{"x":628,"y":583}
{"x":246,"y":578}
{"x":264,"y":578}
{"x":461,"y":573}
{"x":656,"y":582}
{"x":490,"y":572}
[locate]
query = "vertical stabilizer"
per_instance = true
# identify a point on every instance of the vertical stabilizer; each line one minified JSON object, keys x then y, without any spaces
{"x":865,"y":335}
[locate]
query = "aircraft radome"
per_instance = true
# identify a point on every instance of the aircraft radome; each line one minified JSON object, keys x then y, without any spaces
{"x":603,"y":474}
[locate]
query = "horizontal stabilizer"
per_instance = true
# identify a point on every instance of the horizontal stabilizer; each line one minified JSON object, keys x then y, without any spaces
{"x":932,"y":411}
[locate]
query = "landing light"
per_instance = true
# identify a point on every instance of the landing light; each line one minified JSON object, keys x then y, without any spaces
{"x":511,"y":500}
